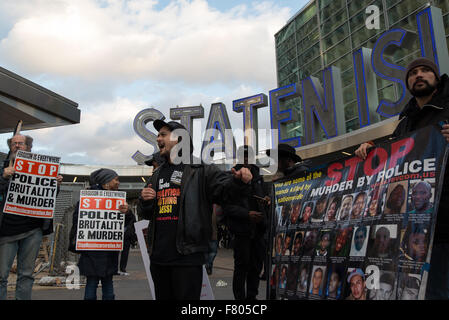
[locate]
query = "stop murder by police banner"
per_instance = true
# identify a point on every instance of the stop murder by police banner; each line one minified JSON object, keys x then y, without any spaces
{"x":33,"y":187}
{"x":360,"y":229}
{"x":100,"y":223}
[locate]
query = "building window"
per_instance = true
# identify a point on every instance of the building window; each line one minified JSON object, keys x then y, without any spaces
{"x":336,"y":35}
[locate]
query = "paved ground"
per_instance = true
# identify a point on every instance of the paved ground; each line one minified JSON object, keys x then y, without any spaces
{"x":135,"y":286}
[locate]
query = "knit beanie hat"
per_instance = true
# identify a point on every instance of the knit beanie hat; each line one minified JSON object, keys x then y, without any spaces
{"x":422,"y":62}
{"x":102,"y":176}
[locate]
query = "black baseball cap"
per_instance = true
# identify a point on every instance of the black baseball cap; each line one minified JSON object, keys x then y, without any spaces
{"x":171,"y":125}
{"x":154,"y":157}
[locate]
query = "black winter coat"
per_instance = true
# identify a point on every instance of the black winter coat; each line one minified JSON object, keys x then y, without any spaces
{"x":413,"y":118}
{"x":237,"y":210}
{"x":130,"y":232}
{"x":202,"y":185}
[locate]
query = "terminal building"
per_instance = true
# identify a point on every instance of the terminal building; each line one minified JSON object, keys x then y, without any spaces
{"x":328,"y":33}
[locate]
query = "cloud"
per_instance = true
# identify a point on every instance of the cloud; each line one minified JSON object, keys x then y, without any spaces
{"x":117,"y":57}
{"x":105,"y":135}
{"x":186,"y":41}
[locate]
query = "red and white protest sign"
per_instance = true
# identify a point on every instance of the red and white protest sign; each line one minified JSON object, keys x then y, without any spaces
{"x":101,"y":225}
{"x":33,"y":187}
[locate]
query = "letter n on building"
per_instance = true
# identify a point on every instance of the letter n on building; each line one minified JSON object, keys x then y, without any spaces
{"x":323,"y":106}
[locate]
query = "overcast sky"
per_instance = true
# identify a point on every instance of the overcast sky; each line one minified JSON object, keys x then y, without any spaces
{"x":116,"y":57}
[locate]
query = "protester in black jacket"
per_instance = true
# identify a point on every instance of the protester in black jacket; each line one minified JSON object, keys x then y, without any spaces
{"x":429,"y":106}
{"x":178,"y":200}
{"x":290,"y":165}
{"x":20,"y":236}
{"x":246,"y":215}
{"x":99,"y":265}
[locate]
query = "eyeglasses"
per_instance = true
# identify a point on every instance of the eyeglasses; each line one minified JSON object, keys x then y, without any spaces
{"x":20,"y":143}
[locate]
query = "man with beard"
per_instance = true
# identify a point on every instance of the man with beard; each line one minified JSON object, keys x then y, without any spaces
{"x":429,"y":105}
{"x":178,"y":200}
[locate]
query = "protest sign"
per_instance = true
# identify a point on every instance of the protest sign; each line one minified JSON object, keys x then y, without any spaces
{"x":101,"y":225}
{"x":33,"y":187}
{"x":206,"y":288}
{"x":369,"y":220}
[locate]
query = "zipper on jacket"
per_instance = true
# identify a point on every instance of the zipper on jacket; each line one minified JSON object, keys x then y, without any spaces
{"x":186,"y":175}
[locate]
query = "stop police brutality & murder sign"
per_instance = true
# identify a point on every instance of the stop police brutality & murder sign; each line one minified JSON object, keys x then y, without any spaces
{"x":33,"y":187}
{"x":100,"y":223}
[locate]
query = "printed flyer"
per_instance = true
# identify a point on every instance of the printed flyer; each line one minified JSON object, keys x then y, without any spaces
{"x":33,"y":187}
{"x":101,"y":225}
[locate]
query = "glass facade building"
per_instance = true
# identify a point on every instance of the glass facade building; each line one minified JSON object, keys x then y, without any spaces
{"x":327,"y":32}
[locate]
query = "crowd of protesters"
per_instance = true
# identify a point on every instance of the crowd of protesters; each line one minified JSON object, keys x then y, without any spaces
{"x":183,"y":236}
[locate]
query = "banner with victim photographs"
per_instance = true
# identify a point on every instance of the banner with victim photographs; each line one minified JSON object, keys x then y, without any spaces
{"x":33,"y":186}
{"x":101,"y":225}
{"x":359,"y":229}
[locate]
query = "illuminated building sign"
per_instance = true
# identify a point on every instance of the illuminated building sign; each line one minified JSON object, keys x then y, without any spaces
{"x":322,"y":102}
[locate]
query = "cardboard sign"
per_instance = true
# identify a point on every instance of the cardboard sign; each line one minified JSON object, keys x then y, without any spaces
{"x":33,"y":187}
{"x":206,"y":289}
{"x":101,"y":225}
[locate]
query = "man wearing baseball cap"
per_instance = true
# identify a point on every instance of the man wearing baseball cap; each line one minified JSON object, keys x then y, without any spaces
{"x":356,"y":281}
{"x":178,"y":200}
{"x":429,"y":105}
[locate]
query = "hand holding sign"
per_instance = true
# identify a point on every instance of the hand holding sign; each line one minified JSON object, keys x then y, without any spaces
{"x":124,"y":208}
{"x":243,"y":174}
{"x":445,"y":131}
{"x":8,"y":172}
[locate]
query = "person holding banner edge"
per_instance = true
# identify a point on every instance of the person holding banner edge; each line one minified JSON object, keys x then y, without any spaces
{"x":429,"y":105}
{"x":289,"y":163}
{"x":99,"y":265}
{"x":247,"y":221}
{"x":178,"y":201}
{"x":19,"y":235}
